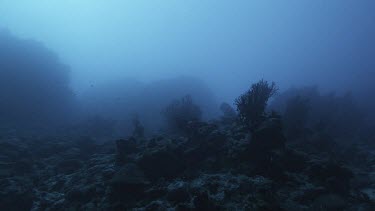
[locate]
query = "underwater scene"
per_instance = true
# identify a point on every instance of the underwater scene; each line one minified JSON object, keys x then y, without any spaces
{"x":187,"y":105}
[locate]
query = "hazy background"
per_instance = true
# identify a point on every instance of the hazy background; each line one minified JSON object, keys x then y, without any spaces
{"x":228,"y":44}
{"x":100,"y":63}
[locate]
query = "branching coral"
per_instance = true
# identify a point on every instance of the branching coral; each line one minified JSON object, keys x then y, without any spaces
{"x":252,"y":104}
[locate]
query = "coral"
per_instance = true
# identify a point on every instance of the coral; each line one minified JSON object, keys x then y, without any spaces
{"x":252,"y":104}
{"x":180,"y":112}
{"x":306,"y":109}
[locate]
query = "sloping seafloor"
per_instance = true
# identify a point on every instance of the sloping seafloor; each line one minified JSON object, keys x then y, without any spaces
{"x":216,"y":167}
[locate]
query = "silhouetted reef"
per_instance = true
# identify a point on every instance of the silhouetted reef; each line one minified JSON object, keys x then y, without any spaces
{"x":242,"y":161}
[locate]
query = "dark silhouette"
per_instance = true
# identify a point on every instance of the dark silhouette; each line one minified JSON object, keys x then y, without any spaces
{"x":296,"y":116}
{"x":139,"y":130}
{"x":252,"y":104}
{"x":180,"y":112}
{"x":228,"y":112}
{"x":34,"y":85}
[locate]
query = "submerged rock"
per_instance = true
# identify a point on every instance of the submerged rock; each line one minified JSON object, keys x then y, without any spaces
{"x":16,"y":194}
{"x":124,"y":148}
{"x":69,"y":166}
{"x":213,"y":167}
{"x":178,"y":192}
{"x":331,"y":175}
{"x":162,"y":163}
{"x":268,"y":136}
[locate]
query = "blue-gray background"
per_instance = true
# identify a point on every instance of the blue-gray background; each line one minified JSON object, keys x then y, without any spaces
{"x":228,"y":44}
